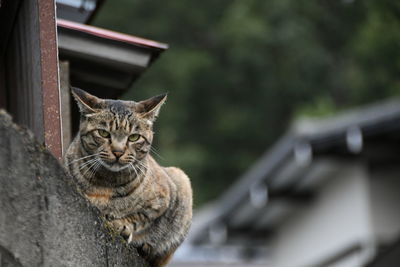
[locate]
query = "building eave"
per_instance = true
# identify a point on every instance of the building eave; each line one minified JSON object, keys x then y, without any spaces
{"x":104,"y":59}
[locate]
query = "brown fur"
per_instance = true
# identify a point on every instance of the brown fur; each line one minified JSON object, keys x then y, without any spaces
{"x":149,"y":205}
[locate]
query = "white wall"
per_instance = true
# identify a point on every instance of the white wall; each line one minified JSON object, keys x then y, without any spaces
{"x":339,"y":218}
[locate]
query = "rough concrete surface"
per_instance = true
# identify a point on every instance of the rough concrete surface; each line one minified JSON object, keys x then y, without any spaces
{"x":43,"y":220}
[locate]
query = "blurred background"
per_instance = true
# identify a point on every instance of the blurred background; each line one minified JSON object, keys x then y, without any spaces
{"x":284,"y":113}
{"x":238,"y":72}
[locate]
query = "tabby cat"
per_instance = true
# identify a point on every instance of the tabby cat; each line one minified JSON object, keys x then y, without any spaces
{"x":149,"y":205}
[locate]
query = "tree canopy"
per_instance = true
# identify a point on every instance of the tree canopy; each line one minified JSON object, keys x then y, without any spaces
{"x":238,"y":72}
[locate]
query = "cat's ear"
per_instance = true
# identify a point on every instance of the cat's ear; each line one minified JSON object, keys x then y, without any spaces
{"x":150,"y":108}
{"x":87,"y":103}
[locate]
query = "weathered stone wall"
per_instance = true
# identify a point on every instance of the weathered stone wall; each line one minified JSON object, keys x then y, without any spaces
{"x":43,"y":220}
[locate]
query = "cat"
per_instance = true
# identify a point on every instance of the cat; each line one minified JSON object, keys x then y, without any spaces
{"x":149,"y":205}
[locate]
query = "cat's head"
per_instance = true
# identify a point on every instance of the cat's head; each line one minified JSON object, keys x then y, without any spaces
{"x":118,"y":133}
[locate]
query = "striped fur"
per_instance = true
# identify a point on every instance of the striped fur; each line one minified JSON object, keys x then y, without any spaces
{"x":149,"y":205}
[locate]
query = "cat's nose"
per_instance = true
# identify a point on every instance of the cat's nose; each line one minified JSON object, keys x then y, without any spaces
{"x":118,"y":153}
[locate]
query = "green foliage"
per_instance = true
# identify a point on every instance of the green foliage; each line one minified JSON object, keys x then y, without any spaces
{"x":319,"y":107}
{"x":238,"y":71}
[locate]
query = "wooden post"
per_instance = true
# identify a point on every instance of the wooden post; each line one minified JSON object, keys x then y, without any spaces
{"x":65,"y":97}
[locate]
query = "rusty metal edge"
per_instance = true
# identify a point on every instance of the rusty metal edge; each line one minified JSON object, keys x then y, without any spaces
{"x":49,"y":77}
{"x":112,"y":35}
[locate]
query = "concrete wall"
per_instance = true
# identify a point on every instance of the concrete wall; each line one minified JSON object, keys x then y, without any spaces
{"x":43,"y":220}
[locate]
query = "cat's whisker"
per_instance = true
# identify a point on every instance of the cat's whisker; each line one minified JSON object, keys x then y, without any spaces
{"x":93,"y":169}
{"x":141,"y":164}
{"x":141,"y":170}
{"x":96,"y":167}
{"x":148,"y":170}
{"x":90,"y":166}
{"x":89,"y":160}
{"x":129,"y":169}
{"x":134,"y":169}
{"x":75,"y":160}
{"x":82,"y":167}
{"x":152,"y":149}
{"x":86,"y":163}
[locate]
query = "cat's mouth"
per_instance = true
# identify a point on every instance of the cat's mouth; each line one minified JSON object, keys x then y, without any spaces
{"x":114,"y":166}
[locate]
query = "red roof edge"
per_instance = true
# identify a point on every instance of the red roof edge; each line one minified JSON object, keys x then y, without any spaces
{"x":111,"y":35}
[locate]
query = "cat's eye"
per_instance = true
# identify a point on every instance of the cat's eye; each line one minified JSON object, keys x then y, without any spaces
{"x":134,"y":137}
{"x":103,"y":133}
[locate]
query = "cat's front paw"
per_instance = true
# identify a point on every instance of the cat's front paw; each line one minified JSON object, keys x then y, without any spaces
{"x":127,"y":233}
{"x":122,"y":228}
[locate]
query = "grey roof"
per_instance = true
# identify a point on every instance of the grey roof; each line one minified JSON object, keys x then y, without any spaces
{"x":364,"y":117}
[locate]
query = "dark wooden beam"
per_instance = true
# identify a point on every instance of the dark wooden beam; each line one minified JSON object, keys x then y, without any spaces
{"x":8,"y":13}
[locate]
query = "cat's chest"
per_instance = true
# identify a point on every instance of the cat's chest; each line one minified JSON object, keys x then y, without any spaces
{"x":119,"y":202}
{"x":99,"y":196}
{"x":112,"y":200}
